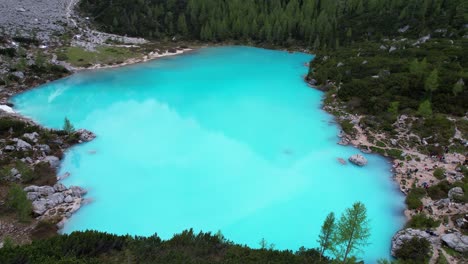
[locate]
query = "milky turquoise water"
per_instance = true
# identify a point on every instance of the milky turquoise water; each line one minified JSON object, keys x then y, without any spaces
{"x":226,"y":139}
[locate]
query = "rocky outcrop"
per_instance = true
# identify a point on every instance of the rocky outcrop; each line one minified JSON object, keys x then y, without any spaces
{"x":55,"y":202}
{"x":358,"y":160}
{"x":456,"y":241}
{"x":32,"y":136}
{"x":455,"y":192}
{"x":407,"y":234}
{"x":85,"y":135}
{"x":21,"y":145}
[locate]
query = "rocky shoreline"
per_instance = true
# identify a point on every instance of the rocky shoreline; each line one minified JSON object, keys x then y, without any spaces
{"x":409,"y":173}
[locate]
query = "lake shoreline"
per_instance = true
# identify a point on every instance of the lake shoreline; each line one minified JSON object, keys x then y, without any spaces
{"x":357,"y":140}
{"x":418,"y":171}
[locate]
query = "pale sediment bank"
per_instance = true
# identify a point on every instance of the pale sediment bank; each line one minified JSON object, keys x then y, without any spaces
{"x":151,"y":56}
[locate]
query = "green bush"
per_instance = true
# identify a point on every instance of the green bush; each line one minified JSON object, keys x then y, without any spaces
{"x":18,"y":202}
{"x":413,"y":199}
{"x":415,"y":250}
{"x":439,"y":173}
{"x":394,"y":153}
{"x":439,"y":191}
{"x":347,"y":127}
{"x":27,"y":175}
{"x":421,"y":221}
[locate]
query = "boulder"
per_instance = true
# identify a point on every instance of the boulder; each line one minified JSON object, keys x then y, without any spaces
{"x":21,"y":144}
{"x":18,"y":74}
{"x":32,"y":196}
{"x":55,"y":198}
{"x":454,"y":192}
{"x":44,"y":148}
{"x":58,"y":187}
{"x":85,"y":135}
{"x":53,"y":161}
{"x":9,"y":148}
{"x":39,"y":206}
{"x":456,"y":241}
{"x":77,"y":191}
{"x":68,"y":199}
{"x":407,"y":234}
{"x":41,"y":190}
{"x":31,"y":136}
{"x":358,"y":159}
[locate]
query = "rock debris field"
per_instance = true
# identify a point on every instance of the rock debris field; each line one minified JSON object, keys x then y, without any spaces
{"x":44,"y":17}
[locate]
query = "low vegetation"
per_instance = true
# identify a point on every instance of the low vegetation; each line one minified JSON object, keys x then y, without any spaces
{"x":413,"y":198}
{"x":415,"y":250}
{"x":422,"y":221}
{"x":80,"y":57}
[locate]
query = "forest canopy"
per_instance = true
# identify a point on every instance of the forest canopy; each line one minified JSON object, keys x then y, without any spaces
{"x":311,"y":23}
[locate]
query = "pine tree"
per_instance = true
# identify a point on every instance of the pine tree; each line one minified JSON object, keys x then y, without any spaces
{"x":68,"y":127}
{"x":352,"y":232}
{"x":458,"y":87}
{"x":432,"y":82}
{"x":17,"y":201}
{"x":425,"y":109}
{"x":182,"y":25}
{"x":325,"y":237}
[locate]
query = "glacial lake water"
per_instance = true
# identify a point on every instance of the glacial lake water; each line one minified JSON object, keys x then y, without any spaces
{"x":225,"y":138}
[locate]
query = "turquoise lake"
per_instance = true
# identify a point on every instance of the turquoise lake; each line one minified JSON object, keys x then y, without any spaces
{"x":225,"y":138}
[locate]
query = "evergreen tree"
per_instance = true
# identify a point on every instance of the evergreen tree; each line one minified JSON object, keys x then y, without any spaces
{"x":352,"y":232}
{"x":182,"y":25}
{"x":425,"y":109}
{"x":17,"y":201}
{"x":68,"y":127}
{"x":458,"y":87}
{"x":326,"y":232}
{"x":432,"y":82}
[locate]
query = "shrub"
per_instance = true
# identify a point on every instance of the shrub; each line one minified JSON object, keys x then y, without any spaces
{"x":421,"y":221}
{"x":394,"y":153}
{"x":413,"y":199}
{"x":17,"y":201}
{"x":439,"y":191}
{"x":43,"y":174}
{"x":347,"y":127}
{"x":27,"y":175}
{"x":414,"y":249}
{"x":439,"y":173}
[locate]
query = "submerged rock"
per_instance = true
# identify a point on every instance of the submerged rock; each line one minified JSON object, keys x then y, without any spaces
{"x":456,"y":241}
{"x":358,"y":160}
{"x":342,"y":161}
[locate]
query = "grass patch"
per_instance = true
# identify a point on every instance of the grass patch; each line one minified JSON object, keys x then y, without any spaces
{"x":103,"y":55}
